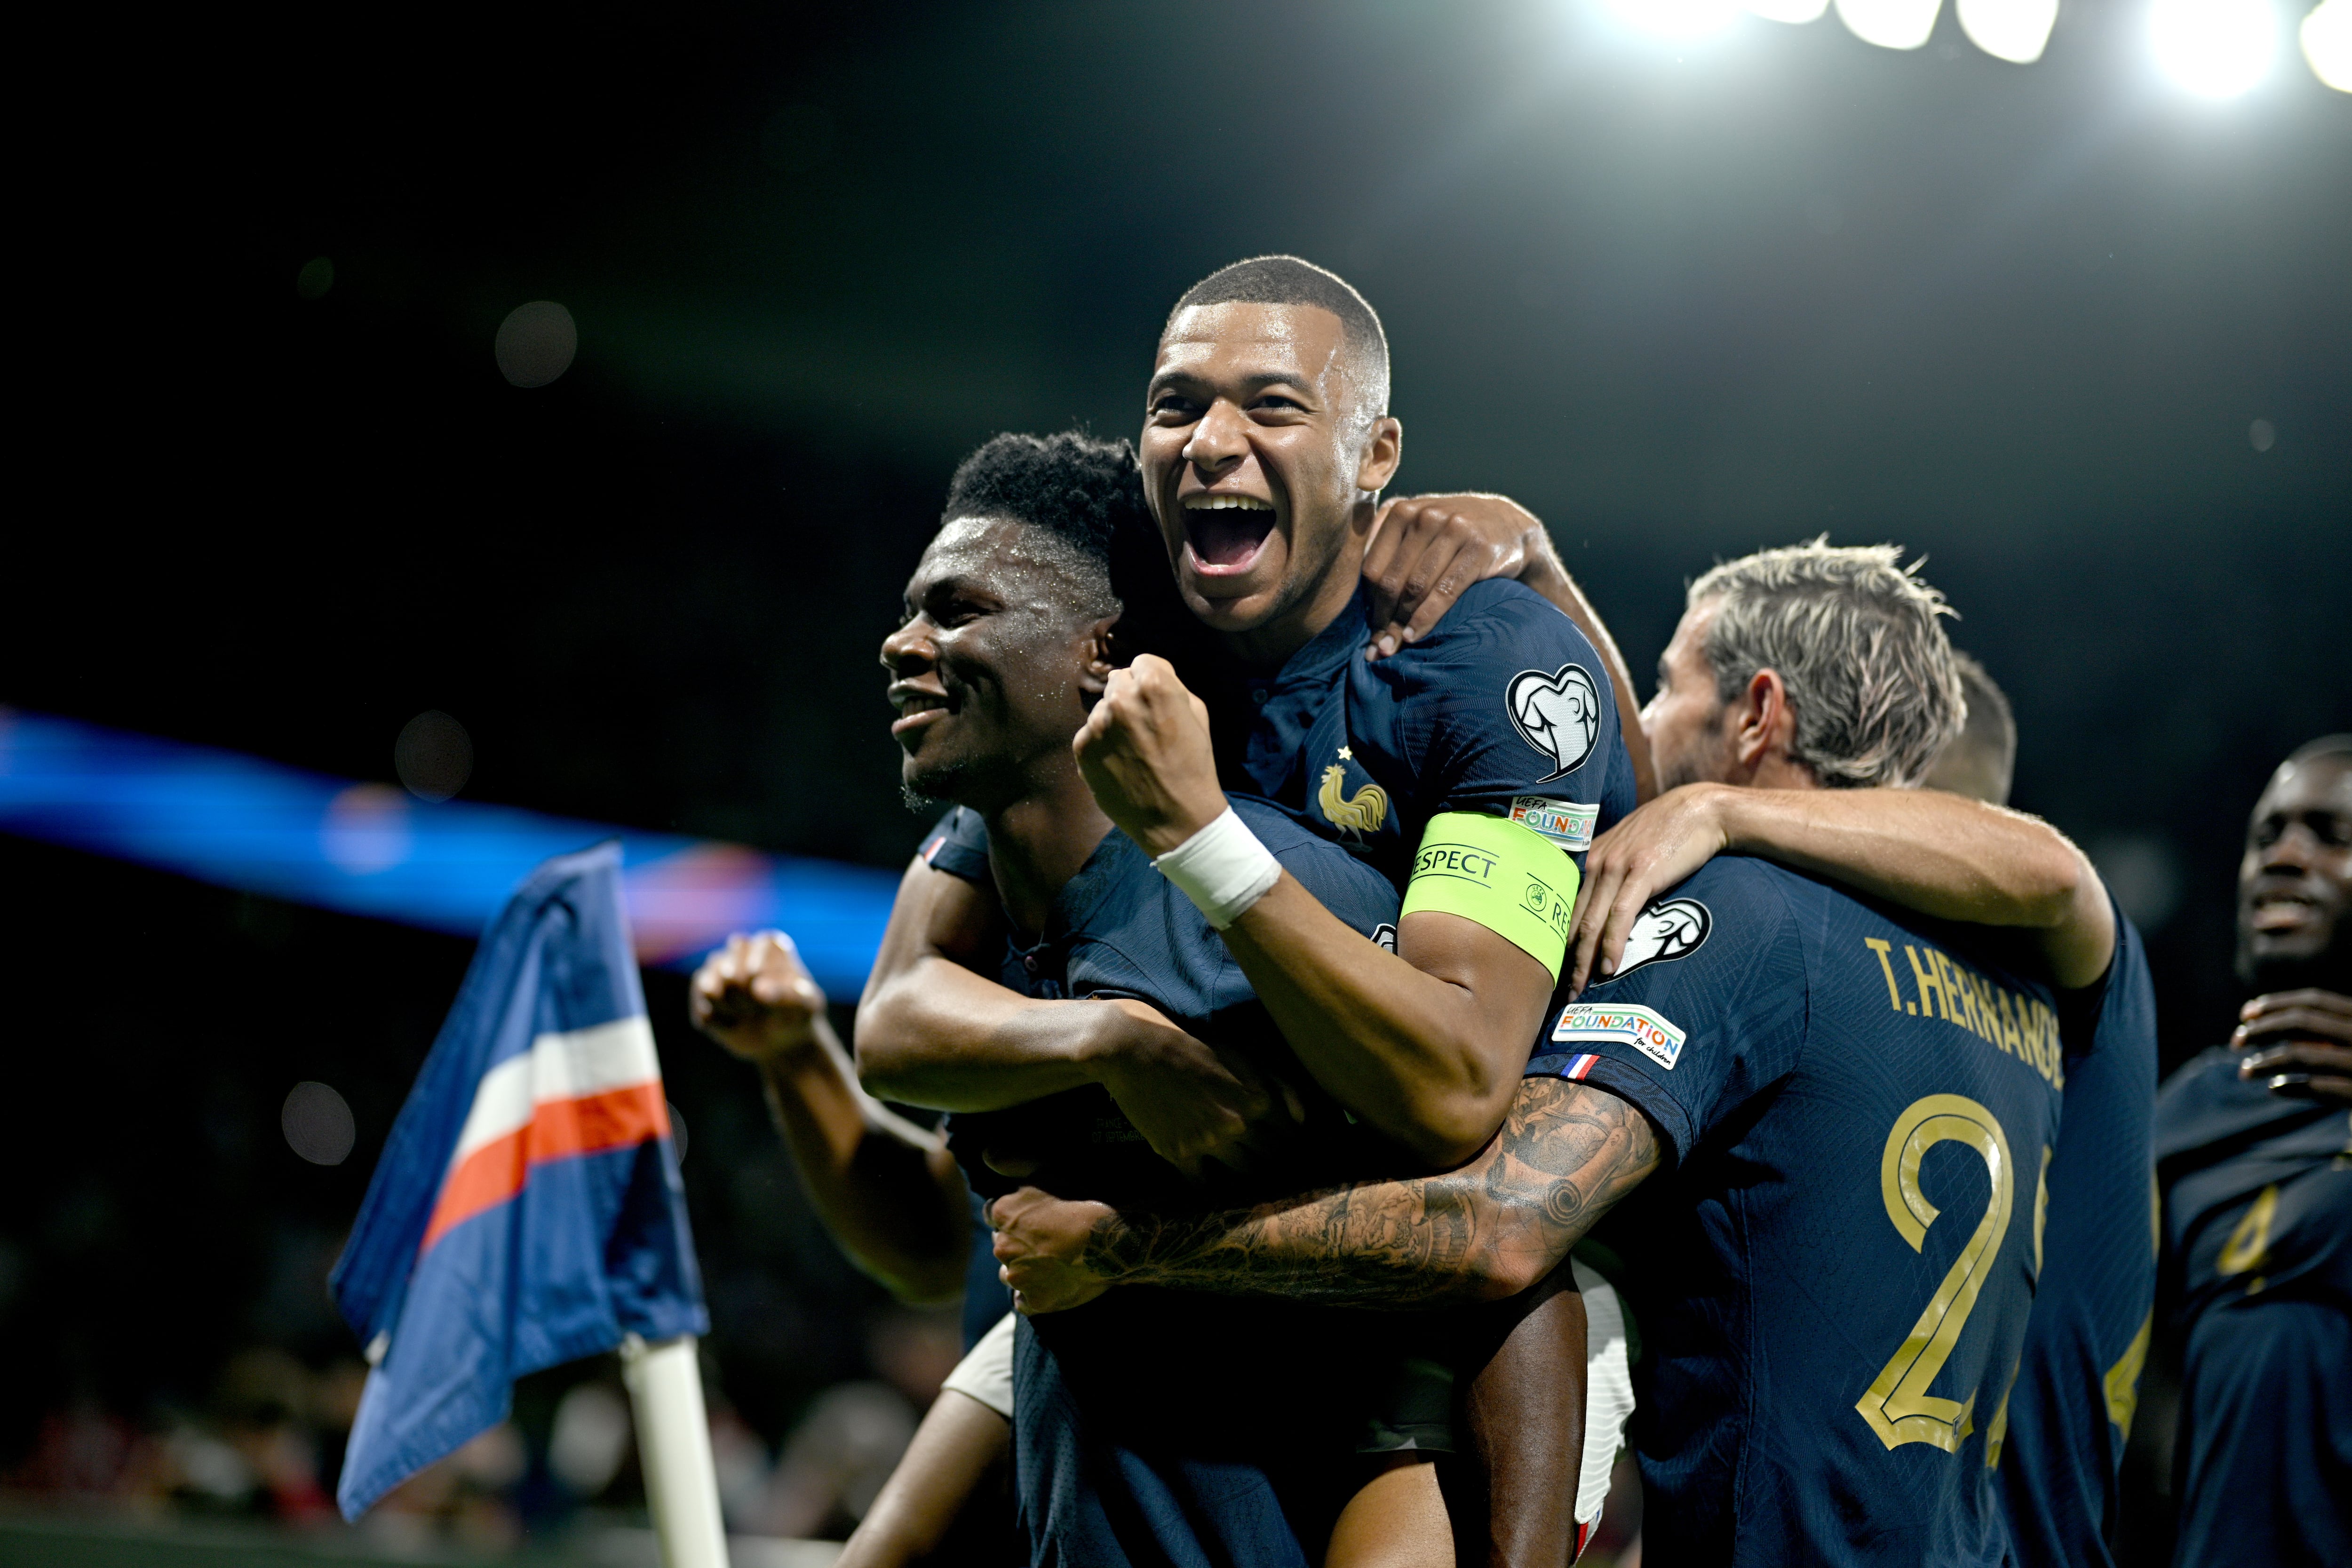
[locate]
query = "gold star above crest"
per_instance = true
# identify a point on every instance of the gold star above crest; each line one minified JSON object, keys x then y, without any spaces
{"x":1346,"y":754}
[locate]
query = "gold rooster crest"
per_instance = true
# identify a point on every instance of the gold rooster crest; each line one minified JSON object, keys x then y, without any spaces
{"x":1360,"y":812}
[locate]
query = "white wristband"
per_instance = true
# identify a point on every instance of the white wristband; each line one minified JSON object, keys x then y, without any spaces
{"x":1223,"y":868}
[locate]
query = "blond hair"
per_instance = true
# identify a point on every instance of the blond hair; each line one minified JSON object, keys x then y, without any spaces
{"x":1858,"y":642}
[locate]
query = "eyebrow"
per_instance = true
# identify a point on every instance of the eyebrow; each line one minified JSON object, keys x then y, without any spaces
{"x":1167,"y":378}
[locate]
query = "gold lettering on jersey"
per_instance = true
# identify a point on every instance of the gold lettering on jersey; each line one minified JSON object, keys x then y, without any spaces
{"x":2123,"y":1378}
{"x":1998,"y":1433}
{"x":2042,"y":1207}
{"x":1359,"y":814}
{"x":1952,"y":993}
{"x":2249,"y":1246}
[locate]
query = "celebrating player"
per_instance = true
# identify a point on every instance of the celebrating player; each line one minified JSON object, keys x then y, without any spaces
{"x":1266,"y":447}
{"x":2255,"y":1156}
{"x":1779,"y":1066}
{"x":2071,"y":1407}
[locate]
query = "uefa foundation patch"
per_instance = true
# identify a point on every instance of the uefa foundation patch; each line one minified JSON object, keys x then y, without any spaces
{"x":1648,"y":1032}
{"x":1567,"y":823}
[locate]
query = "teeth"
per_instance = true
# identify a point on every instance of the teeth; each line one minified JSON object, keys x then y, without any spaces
{"x":1226,"y":503}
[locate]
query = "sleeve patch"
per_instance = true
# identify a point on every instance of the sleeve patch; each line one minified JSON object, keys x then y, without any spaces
{"x":1567,"y":823}
{"x":1646,"y":1030}
{"x":1558,"y":714}
{"x":1669,"y":929}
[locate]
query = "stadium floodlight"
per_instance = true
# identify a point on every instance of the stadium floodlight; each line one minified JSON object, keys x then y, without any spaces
{"x":2215,"y":49}
{"x":2013,"y":30}
{"x":1890,"y":24}
{"x":2327,"y":36}
{"x":1678,"y":18}
{"x":1795,"y":12}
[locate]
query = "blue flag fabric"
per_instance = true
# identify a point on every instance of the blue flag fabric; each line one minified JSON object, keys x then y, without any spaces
{"x":527,"y":1209}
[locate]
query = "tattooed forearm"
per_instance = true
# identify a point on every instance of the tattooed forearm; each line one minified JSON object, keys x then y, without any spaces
{"x":1487,"y":1229}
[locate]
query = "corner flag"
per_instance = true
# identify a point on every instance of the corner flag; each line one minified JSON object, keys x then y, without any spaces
{"x":527,"y":1208}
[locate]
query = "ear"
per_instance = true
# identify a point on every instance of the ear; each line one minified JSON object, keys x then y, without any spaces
{"x":1765,"y":724}
{"x":1104,"y":651}
{"x":1383,"y":452}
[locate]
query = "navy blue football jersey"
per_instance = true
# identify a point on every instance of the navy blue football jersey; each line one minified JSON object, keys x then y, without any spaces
{"x":1835,"y":1263}
{"x":1152,"y":1426}
{"x":1119,"y":929}
{"x":2258,"y":1265}
{"x":1503,"y":708}
{"x":2095,"y":1305}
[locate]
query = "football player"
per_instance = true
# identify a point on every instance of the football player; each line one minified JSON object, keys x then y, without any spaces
{"x":2254,"y":1142}
{"x":1787,"y":1085}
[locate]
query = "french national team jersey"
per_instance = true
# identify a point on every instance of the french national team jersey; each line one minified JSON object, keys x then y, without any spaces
{"x":1834,"y":1265}
{"x":1502,"y":708}
{"x":2257,"y":1268}
{"x":2093,"y":1307}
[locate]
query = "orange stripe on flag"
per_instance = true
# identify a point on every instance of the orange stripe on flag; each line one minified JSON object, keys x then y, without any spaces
{"x":558,"y":1129}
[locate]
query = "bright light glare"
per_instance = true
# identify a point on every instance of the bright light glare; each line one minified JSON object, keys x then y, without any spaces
{"x":1678,"y":18}
{"x":1890,"y":24}
{"x":1798,"y":12}
{"x":2327,"y":44}
{"x":2215,"y":49}
{"x":2015,"y":30}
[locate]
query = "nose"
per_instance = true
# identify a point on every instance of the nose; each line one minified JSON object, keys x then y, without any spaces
{"x":1219,"y":441}
{"x":909,"y":650}
{"x":2292,"y":849}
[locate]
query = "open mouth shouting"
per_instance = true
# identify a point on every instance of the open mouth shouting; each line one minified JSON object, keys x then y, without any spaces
{"x":1223,"y":533}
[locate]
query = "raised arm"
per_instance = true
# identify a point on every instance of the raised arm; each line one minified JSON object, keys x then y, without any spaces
{"x":931,"y":1032}
{"x":886,"y":1188}
{"x":1425,"y":549}
{"x":1566,"y":1153}
{"x":1942,"y":855}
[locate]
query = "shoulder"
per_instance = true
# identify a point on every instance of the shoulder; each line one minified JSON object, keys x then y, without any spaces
{"x":1724,"y":930}
{"x":2205,"y":1101}
{"x":958,"y":845}
{"x":1496,"y":621}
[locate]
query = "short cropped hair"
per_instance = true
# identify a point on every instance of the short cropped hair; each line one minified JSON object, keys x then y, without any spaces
{"x":1859,"y":643}
{"x":1980,"y":761}
{"x":1086,"y":494}
{"x":1291,"y":280}
{"x":2337,"y":746}
{"x":1075,"y":486}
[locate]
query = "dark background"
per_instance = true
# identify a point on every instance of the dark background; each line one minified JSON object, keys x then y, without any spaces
{"x":1684,"y":300}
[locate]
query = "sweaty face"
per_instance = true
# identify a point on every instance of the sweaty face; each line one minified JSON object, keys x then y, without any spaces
{"x":2297,"y":880}
{"x":1684,"y":722}
{"x":988,"y":672}
{"x":1255,"y":457}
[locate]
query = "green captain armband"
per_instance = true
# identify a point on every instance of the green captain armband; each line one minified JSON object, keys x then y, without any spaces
{"x":1507,"y":878}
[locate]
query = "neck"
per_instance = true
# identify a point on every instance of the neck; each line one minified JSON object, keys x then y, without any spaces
{"x":1776,"y":770}
{"x":1039,"y":841}
{"x":1268,"y":646}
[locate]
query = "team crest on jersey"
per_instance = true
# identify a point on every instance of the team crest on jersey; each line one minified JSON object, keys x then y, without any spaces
{"x":1558,"y":714}
{"x":1670,"y":930}
{"x":1384,"y":937}
{"x":1647,"y":1031}
{"x":1360,"y":812}
{"x":1567,"y":823}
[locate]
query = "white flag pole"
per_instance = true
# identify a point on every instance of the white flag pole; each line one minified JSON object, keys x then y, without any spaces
{"x":665,"y":1383}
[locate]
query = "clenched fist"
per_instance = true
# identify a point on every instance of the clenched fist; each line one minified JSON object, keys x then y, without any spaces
{"x":1145,"y":754}
{"x":755,"y":997}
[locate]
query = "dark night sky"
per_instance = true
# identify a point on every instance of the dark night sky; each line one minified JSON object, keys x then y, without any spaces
{"x":1682,"y":302}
